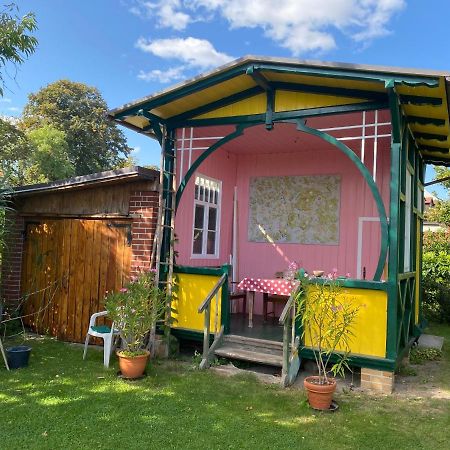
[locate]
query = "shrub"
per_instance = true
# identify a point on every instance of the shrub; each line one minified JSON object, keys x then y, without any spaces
{"x":436,"y":286}
{"x":436,"y":241}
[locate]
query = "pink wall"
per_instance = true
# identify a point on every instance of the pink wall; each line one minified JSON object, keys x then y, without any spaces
{"x":287,"y":152}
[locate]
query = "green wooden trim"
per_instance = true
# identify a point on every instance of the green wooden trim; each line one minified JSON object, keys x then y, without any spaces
{"x":391,"y":341}
{"x":213,"y":271}
{"x":238,"y":131}
{"x":431,"y":136}
{"x":431,"y":148}
{"x":184,"y":333}
{"x":259,"y":79}
{"x":357,"y":284}
{"x":441,"y":162}
{"x":270,"y":109}
{"x":301,"y":126}
{"x":419,"y":100}
{"x":225,"y":301}
{"x":425,"y":121}
{"x":406,"y":275}
{"x":349,"y":74}
{"x":229,"y":100}
{"x":386,"y":364}
{"x":327,"y":90}
{"x":284,"y":115}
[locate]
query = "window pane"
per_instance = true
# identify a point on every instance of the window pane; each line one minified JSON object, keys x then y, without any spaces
{"x":196,"y":192}
{"x":199,"y":215}
{"x":211,"y":244}
{"x":202,"y":192}
{"x":212,"y":219}
{"x":197,"y":246}
{"x":206,"y":194}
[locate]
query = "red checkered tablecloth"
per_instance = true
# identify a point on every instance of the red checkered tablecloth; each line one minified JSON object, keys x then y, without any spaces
{"x":277,"y":286}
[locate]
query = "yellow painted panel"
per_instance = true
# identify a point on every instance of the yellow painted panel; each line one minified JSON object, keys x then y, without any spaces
{"x":252,"y":105}
{"x":434,"y":142}
{"x":370,"y":327}
{"x":191,"y":291}
{"x":288,"y":100}
{"x":435,"y":129}
{"x":436,"y":112}
{"x":137,"y":121}
{"x":315,"y":80}
{"x":443,"y":156}
{"x":205,"y":96}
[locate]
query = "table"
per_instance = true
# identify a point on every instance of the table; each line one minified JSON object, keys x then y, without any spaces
{"x":277,"y":286}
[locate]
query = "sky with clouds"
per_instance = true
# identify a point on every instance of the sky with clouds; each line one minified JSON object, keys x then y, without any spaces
{"x":132,"y":48}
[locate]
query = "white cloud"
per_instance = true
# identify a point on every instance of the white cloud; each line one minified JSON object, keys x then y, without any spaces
{"x":193,"y":52}
{"x":5,"y":100}
{"x":136,"y":150}
{"x":163,"y":76}
{"x":167,"y":12}
{"x":13,"y":109}
{"x":299,"y":25}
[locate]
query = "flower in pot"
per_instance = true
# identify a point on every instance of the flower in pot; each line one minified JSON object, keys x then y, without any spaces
{"x":326,"y":317}
{"x":135,"y":309}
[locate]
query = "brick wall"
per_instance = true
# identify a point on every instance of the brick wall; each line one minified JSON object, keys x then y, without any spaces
{"x":12,"y":260}
{"x":144,"y":208}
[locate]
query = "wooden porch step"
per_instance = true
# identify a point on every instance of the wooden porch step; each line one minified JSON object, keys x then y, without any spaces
{"x":253,"y":350}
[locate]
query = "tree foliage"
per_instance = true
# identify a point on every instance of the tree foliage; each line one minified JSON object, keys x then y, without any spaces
{"x":442,"y":172}
{"x":15,"y":151}
{"x":439,"y":213}
{"x":16,"y":40}
{"x":49,"y":159}
{"x":94,"y":142}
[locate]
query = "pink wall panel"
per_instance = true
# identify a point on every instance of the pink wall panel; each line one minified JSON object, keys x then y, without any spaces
{"x":286,"y":152}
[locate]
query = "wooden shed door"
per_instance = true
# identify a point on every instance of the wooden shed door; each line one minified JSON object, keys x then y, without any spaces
{"x":68,"y":266}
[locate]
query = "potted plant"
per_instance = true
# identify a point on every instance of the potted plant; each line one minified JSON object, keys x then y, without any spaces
{"x":135,"y":309}
{"x":326,"y":316}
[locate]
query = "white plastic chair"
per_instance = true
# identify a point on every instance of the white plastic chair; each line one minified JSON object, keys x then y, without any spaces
{"x":108,"y":334}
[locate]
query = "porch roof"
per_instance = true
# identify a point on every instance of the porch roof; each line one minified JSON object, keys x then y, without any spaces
{"x":247,"y":88}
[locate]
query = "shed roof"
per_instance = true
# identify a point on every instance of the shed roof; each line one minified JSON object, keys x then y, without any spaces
{"x":87,"y":181}
{"x":423,"y":95}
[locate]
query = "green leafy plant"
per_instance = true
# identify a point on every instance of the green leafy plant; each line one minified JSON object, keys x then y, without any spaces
{"x":421,"y":355}
{"x":135,"y":309}
{"x":326,"y":317}
{"x":436,"y":286}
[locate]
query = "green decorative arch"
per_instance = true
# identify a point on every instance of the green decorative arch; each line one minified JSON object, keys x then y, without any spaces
{"x":301,"y":126}
{"x":195,"y":165}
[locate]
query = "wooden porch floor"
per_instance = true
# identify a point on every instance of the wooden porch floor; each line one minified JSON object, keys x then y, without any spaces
{"x":269,"y":330}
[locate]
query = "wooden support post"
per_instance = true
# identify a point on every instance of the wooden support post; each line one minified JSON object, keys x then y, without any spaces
{"x":204,"y":364}
{"x":4,"y":355}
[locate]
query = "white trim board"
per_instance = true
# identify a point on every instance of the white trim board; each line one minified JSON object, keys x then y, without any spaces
{"x":361,"y":221}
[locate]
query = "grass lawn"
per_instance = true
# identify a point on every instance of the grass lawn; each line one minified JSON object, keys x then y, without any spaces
{"x":61,"y":402}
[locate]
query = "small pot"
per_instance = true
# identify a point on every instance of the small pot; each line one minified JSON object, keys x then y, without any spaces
{"x":133,"y":366}
{"x":18,"y":356}
{"x":320,"y":396}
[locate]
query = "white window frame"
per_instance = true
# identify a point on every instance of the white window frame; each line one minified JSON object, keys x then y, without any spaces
{"x":207,"y":205}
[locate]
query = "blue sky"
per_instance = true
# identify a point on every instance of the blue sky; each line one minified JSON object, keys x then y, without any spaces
{"x":132,"y":48}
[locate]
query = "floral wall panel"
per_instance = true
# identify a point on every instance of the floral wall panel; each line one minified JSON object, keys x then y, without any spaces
{"x":295,"y":209}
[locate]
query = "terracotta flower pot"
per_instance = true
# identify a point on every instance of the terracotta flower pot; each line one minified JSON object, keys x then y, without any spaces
{"x":319,"y":395}
{"x":133,"y":366}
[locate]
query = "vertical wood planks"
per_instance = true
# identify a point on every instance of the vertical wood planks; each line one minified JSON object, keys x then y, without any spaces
{"x":68,"y":266}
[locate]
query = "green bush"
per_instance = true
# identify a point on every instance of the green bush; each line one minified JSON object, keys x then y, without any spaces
{"x":436,"y":241}
{"x":436,"y":286}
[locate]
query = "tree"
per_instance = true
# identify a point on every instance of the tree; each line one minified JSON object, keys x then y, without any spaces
{"x":94,"y":142}
{"x":49,"y":159}
{"x":15,"y":151}
{"x":439,"y":213}
{"x":16,"y":42}
{"x":442,"y":172}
